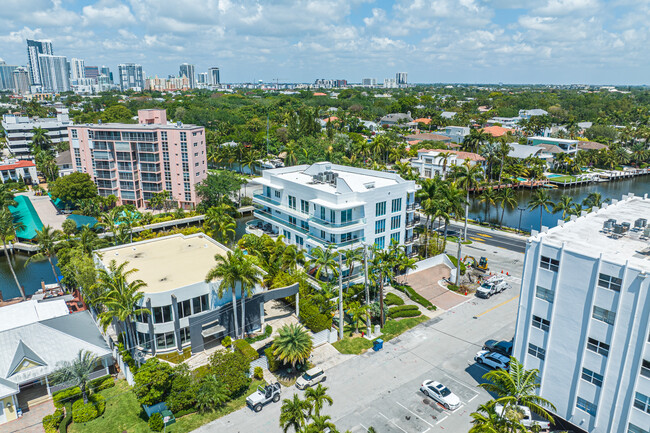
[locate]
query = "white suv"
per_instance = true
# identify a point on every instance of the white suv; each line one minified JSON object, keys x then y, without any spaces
{"x":492,"y":360}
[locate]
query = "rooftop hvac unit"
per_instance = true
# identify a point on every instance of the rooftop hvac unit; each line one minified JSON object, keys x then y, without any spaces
{"x":640,"y":223}
{"x":626,"y":226}
{"x":618,"y":229}
{"x":612,"y":220}
{"x":608,"y":225}
{"x":646,"y":232}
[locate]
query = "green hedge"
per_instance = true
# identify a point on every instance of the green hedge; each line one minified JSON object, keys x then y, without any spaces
{"x":184,"y":412}
{"x":405,"y":313}
{"x":84,"y":412}
{"x":312,"y":318}
{"x":246,"y":349}
{"x":268,"y":330}
{"x":414,"y":296}
{"x":393,"y":310}
{"x":66,"y":395}
{"x":51,"y":422}
{"x":102,"y":383}
{"x":63,"y":427}
{"x":156,"y":422}
{"x":393,"y":299}
{"x":454,"y":261}
{"x":274,"y":364}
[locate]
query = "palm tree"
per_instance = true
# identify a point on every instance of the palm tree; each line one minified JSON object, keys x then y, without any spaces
{"x":130,"y":219}
{"x":382,"y":267}
{"x":467,"y":177}
{"x":486,"y":419}
{"x":122,"y":299}
{"x":564,"y":205}
{"x":46,"y":239}
{"x":542,"y":200}
{"x":40,"y":139}
{"x":488,"y":197}
{"x":8,"y":229}
{"x":249,"y":276}
{"x":229,"y":270}
{"x":516,"y":387}
{"x":211,"y":393}
{"x":219,"y":224}
{"x":294,"y":414}
{"x":290,"y":149}
{"x":292,"y":345}
{"x":320,"y":424}
{"x":358,"y":312}
{"x":352,"y":256}
{"x":317,"y":397}
{"x":324,"y":260}
{"x":506,"y":198}
{"x":594,"y":199}
{"x":76,"y":372}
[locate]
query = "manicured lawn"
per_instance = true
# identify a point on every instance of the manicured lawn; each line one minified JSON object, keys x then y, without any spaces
{"x":566,"y":178}
{"x":123,"y":413}
{"x":352,"y":346}
{"x":393,"y":328}
{"x":175,"y":357}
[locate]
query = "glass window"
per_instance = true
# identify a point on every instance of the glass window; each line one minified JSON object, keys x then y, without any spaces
{"x":277,"y":194}
{"x":597,"y":346}
{"x":395,"y":222}
{"x":536,"y":351}
{"x":645,"y":368}
{"x":144,"y":341}
{"x":380,"y":208}
{"x":550,"y":264}
{"x":394,"y":237}
{"x":142,"y":318}
{"x":346,"y":215}
{"x":380,"y":242}
{"x":588,"y":407}
{"x":380,"y":226}
{"x":165,"y":340}
{"x":200,"y":303}
{"x":540,"y":323}
{"x":642,"y":402}
{"x":604,"y":315}
{"x":333,"y":216}
{"x":292,"y":202}
{"x":631,"y":428}
{"x":592,"y":377}
{"x":162,"y":314}
{"x":304,"y":206}
{"x":609,"y":282}
{"x":185,"y":335}
{"x":184,"y":309}
{"x":300,"y":241}
{"x":396,"y":205}
{"x":544,"y":294}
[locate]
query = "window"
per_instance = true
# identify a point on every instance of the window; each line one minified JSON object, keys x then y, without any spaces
{"x":427,"y":172}
{"x":642,"y":402}
{"x":397,"y":205}
{"x":322,"y":213}
{"x":345,"y":237}
{"x":380,"y":208}
{"x":540,"y":323}
{"x":592,"y":377}
{"x":379,"y":242}
{"x":142,"y":318}
{"x":292,"y":220}
{"x":536,"y":351}
{"x":333,"y":216}
{"x":304,"y":225}
{"x":185,"y":335}
{"x":304,"y":206}
{"x":631,"y":428}
{"x":277,"y":194}
{"x":550,"y":264}
{"x":394,"y":237}
{"x":395,"y":222}
{"x":645,"y":368}
{"x":74,"y":133}
{"x":604,"y":315}
{"x":609,"y":282}
{"x":287,"y":235}
{"x":322,"y":234}
{"x":165,"y":340}
{"x":162,"y":314}
{"x":184,"y":309}
{"x":143,"y":341}
{"x":380,"y":226}
{"x":200,"y":303}
{"x":583,"y":404}
{"x":597,"y":346}
{"x":292,"y":202}
{"x":346,"y":215}
{"x":544,"y":294}
{"x":300,"y":241}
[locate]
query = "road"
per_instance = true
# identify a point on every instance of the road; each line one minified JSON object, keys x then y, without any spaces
{"x":381,"y":389}
{"x":492,"y":237}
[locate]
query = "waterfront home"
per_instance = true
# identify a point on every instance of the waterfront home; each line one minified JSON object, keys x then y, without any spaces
{"x":553,"y":144}
{"x":527,"y":114}
{"x":438,"y":162}
{"x":396,"y":119}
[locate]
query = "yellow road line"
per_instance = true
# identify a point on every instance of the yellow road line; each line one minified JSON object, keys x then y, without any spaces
{"x":497,"y":306}
{"x":477,"y":239}
{"x":484,"y":235}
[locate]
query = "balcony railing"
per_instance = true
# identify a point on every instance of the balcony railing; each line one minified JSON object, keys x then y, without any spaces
{"x":412,"y":206}
{"x":263,"y":214}
{"x":334,"y":224}
{"x":267,"y":199}
{"x":412,"y":221}
{"x":411,"y":239}
{"x":336,"y":244}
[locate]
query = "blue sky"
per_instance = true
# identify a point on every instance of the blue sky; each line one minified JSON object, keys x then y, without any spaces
{"x":469,"y":41}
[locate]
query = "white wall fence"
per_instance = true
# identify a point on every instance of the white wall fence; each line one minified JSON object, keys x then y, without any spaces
{"x":325,"y":336}
{"x":440,"y":259}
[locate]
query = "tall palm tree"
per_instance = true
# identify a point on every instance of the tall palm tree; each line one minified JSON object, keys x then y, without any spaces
{"x":467,"y":177}
{"x":506,"y":198}
{"x":324,"y":260}
{"x":594,"y":199}
{"x":320,"y":424}
{"x":130,"y":219}
{"x":542,"y":200}
{"x":352,"y":256}
{"x":358,"y":312}
{"x":229,"y":270}
{"x":8,"y":229}
{"x":564,"y":205}
{"x":294,"y":414}
{"x":76,"y":372}
{"x":290,"y":149}
{"x":516,"y":387}
{"x":219,"y":224}
{"x":293,"y":344}
{"x":46,"y":238}
{"x":122,"y":298}
{"x":486,"y":419}
{"x":40,"y":139}
{"x":489,"y":197}
{"x":317,"y":397}
{"x":249,"y":276}
{"x":382,"y":267}
{"x":212,"y":393}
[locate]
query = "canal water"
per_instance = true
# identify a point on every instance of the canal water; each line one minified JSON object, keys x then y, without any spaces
{"x":530,"y":219}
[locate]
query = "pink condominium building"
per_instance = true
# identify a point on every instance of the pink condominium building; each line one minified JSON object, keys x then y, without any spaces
{"x":134,"y":161}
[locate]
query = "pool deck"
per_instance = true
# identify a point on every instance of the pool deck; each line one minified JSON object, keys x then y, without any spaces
{"x":46,"y":210}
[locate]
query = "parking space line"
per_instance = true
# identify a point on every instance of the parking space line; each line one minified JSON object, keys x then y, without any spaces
{"x":414,"y":413}
{"x":427,"y":430}
{"x":363,"y":426}
{"x":472,"y":398}
{"x":458,"y":408}
{"x":391,"y":421}
{"x":442,"y":419}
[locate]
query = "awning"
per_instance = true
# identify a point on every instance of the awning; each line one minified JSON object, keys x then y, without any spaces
{"x":213,"y":330}
{"x":337,"y":206}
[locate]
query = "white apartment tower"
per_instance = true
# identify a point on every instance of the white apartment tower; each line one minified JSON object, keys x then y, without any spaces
{"x":324,"y":204}
{"x":584,"y":317}
{"x":131,"y":77}
{"x":34,"y":48}
{"x":187,"y":70}
{"x":213,"y":76}
{"x":400,"y":78}
{"x":55,"y":73}
{"x":77,"y":69}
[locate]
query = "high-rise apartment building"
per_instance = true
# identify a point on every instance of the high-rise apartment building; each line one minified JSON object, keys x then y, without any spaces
{"x":91,"y":72}
{"x":21,"y":80}
{"x":55,"y":73}
{"x":187,"y":70}
{"x":584,"y":317}
{"x":7,"y":76}
{"x":131,"y":76}
{"x":105,"y":70}
{"x":133,"y":162}
{"x":400,"y":78}
{"x":369,"y":82}
{"x":19,"y":130}
{"x":34,"y":48}
{"x":390,"y":83}
{"x":203,"y":78}
{"x":77,"y":69}
{"x":213,"y":76}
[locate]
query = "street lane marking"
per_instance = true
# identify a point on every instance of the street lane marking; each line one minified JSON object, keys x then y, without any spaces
{"x":496,"y":306}
{"x":414,"y":413}
{"x":427,"y":430}
{"x":442,"y":419}
{"x":477,"y":239}
{"x":483,"y":234}
{"x":391,"y":421}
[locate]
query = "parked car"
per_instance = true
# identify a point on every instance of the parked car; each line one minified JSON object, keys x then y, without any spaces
{"x":263,"y":396}
{"x":441,"y":394}
{"x":311,"y":378}
{"x":528,"y":419}
{"x":502,"y":347}
{"x":493,"y":360}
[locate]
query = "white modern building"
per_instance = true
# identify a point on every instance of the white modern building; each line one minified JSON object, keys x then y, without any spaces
{"x":213,"y":76}
{"x":457,"y":133}
{"x":438,"y":162}
{"x":77,"y":69}
{"x":131,"y":76}
{"x":187,"y":70}
{"x":19,"y":131}
{"x":34,"y":49}
{"x":325,"y":204}
{"x":527,"y":114}
{"x":55,"y":73}
{"x":584,"y":317}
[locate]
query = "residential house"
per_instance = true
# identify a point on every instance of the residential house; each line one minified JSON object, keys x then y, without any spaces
{"x":438,"y":162}
{"x":396,"y":119}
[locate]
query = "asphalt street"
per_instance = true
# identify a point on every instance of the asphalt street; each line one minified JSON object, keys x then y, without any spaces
{"x":381,"y":389}
{"x":492,"y":237}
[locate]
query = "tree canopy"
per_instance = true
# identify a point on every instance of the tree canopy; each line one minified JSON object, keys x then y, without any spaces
{"x":73,"y":187}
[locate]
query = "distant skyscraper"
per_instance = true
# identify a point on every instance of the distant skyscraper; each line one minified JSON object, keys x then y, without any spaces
{"x":6,"y":76}
{"x":368,"y":82}
{"x":77,"y":69}
{"x":131,"y":76}
{"x":55,"y":73}
{"x":400,"y":78}
{"x":213,"y":77}
{"x":203,"y":78}
{"x":34,"y":48}
{"x":389,"y":83}
{"x":104,"y":70}
{"x":21,"y":80}
{"x":187,"y":70}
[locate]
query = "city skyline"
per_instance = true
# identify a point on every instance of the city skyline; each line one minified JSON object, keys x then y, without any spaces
{"x":491,"y":41}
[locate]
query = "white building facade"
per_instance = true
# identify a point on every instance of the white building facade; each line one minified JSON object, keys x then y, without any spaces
{"x":324,"y":204}
{"x":584,"y":317}
{"x":19,"y":131}
{"x":439,"y":162}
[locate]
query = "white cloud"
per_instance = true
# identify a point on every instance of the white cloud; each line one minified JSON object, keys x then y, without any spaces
{"x":107,"y":14}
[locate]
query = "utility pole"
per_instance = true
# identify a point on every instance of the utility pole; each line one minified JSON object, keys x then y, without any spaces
{"x":521,"y":210}
{"x":365,"y":284}
{"x":340,"y":298}
{"x":458,"y":263}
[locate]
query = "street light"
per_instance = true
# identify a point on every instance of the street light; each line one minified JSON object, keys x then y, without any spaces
{"x":521,"y":210}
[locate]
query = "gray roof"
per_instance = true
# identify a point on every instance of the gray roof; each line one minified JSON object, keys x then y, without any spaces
{"x":7,"y":388}
{"x":64,"y":158}
{"x":23,"y":352}
{"x":522,"y":151}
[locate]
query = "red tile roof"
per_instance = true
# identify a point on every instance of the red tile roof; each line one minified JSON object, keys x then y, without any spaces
{"x":497,"y":131}
{"x":19,"y":164}
{"x":319,"y":94}
{"x":424,"y":120}
{"x":459,"y":154}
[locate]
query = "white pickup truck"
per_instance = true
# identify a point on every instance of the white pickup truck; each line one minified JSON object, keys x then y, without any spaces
{"x":528,"y":419}
{"x":491,"y":287}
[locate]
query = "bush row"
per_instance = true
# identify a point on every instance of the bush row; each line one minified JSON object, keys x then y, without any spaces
{"x":63,"y":427}
{"x":405,"y":313}
{"x":66,"y":395}
{"x":274,"y":364}
{"x":393,"y":310}
{"x":312,"y":318}
{"x":101,"y":383}
{"x":393,"y":299}
{"x":243,"y":347}
{"x":51,"y":422}
{"x":414,"y":296}
{"x":268,"y":330}
{"x":84,"y":412}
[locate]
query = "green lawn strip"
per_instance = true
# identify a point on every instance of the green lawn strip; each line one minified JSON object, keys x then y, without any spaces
{"x":393,"y":328}
{"x":175,"y":357}
{"x":123,"y":413}
{"x":352,"y":346}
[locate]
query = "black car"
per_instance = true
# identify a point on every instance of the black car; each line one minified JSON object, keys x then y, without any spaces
{"x":502,"y":347}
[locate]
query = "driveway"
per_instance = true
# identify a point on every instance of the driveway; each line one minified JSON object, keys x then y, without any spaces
{"x":31,"y":421}
{"x":425,"y":283}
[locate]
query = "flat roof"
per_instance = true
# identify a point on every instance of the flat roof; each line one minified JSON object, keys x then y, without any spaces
{"x":585,"y":234}
{"x":27,"y":312}
{"x":122,"y":126}
{"x":167,"y":263}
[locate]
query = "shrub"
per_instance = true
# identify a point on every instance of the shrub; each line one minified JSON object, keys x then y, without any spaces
{"x":51,"y":422}
{"x":182,"y":395}
{"x":405,"y":313}
{"x":63,"y":427}
{"x":454,"y":261}
{"x":393,"y":310}
{"x":66,"y":395}
{"x":453,"y":287}
{"x":375,"y":311}
{"x":274,"y":364}
{"x":153,"y":381}
{"x":226,"y":341}
{"x":156,"y":422}
{"x":312,"y":318}
{"x":258,"y":373}
{"x":414,"y":296}
{"x":231,"y":369}
{"x":246,"y":349}
{"x":84,"y":412}
{"x":184,"y":412}
{"x":393,"y":299}
{"x":102,"y":383}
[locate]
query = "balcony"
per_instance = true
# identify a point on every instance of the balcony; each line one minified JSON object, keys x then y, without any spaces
{"x":262,"y":214}
{"x":411,"y":239}
{"x":411,"y":222}
{"x":329,"y":224}
{"x":325,"y":244}
{"x":412,"y":206}
{"x":265,"y":199}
